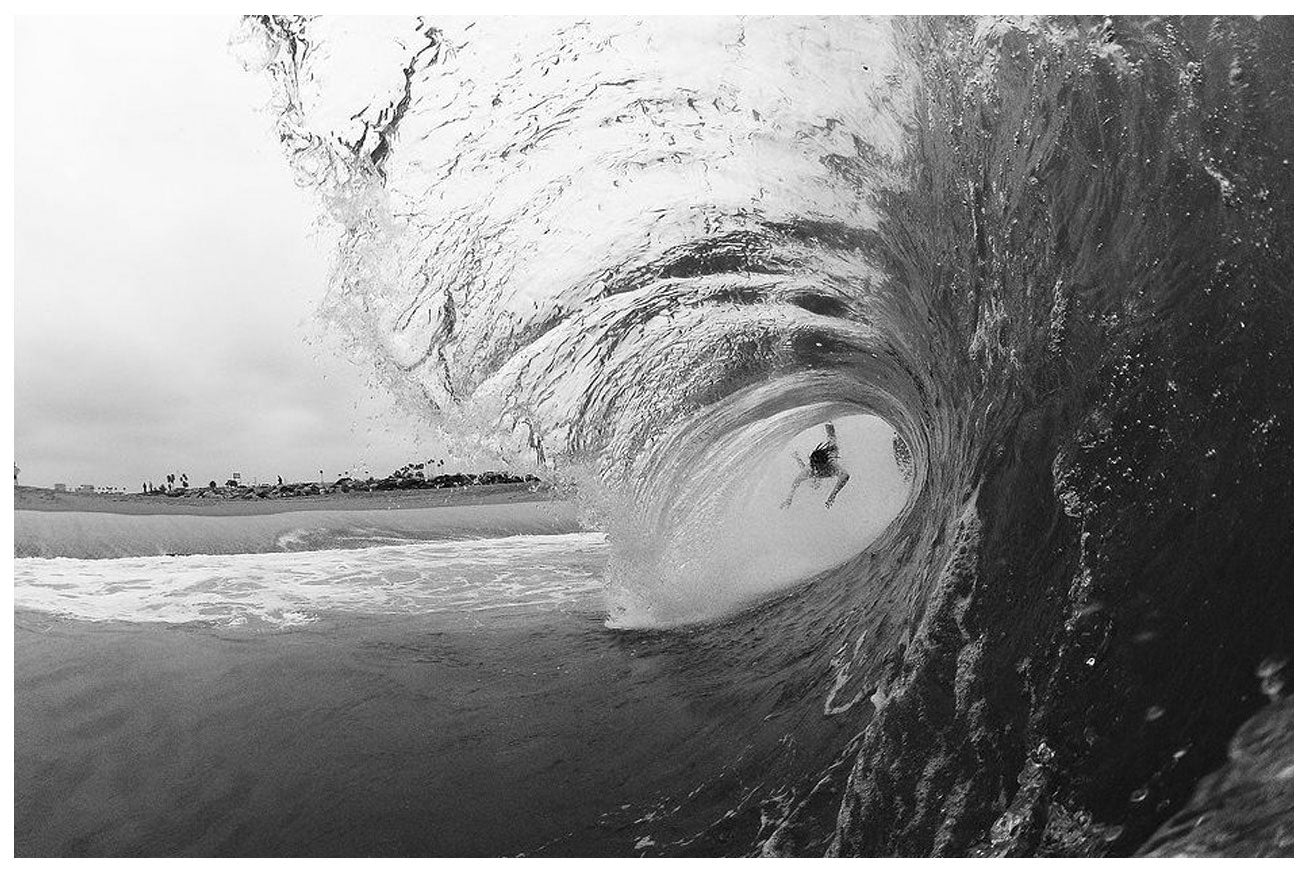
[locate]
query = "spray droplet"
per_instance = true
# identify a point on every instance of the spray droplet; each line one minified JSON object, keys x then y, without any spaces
{"x":1091,"y":662}
{"x":1272,"y":686}
{"x":1269,"y":667}
{"x":1090,"y":609}
{"x":1154,"y":713}
{"x":1138,"y":797}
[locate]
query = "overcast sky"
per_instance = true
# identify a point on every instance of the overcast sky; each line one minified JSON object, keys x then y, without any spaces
{"x":167,"y":270}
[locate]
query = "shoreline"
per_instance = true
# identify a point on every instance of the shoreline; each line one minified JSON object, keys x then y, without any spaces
{"x":31,"y":498}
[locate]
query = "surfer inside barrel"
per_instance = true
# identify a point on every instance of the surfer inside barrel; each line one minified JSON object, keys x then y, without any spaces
{"x":822,"y":465}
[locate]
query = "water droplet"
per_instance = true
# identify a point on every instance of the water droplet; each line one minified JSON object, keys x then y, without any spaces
{"x":1138,"y":797}
{"x":1091,"y":662}
{"x":1272,"y":686}
{"x":1154,"y":713}
{"x":1113,"y":833}
{"x":1088,"y":609}
{"x":1269,"y":666}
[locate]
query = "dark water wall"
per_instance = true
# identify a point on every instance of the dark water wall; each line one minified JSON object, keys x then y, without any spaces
{"x":1104,"y":213}
{"x":1054,"y":254}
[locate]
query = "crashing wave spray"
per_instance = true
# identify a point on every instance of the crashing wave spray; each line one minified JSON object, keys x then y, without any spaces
{"x":589,"y":255}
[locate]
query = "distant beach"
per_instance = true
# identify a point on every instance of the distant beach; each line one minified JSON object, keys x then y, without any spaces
{"x":31,"y":498}
{"x":49,"y":524}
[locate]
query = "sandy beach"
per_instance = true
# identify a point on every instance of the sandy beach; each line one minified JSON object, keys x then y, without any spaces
{"x":30,"y":498}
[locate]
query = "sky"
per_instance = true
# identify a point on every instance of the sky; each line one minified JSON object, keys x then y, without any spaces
{"x":167,"y":269}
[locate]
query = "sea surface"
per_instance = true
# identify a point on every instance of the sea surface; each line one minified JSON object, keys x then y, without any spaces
{"x":408,"y":697}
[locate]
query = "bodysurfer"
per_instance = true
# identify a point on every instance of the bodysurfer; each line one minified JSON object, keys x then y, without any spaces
{"x":820,"y":466}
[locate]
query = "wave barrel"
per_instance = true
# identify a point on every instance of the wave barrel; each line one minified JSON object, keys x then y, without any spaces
{"x":1037,"y":275}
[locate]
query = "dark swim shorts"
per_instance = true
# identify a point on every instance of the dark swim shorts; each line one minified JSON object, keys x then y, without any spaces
{"x":821,"y":463}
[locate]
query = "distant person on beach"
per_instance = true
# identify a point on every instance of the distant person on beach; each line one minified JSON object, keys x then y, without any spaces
{"x":820,"y":466}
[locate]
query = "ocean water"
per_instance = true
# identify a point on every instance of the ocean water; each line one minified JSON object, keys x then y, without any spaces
{"x":461,"y":697}
{"x":451,"y":581}
{"x":341,"y":701}
{"x":1037,"y":271}
{"x":91,"y":535}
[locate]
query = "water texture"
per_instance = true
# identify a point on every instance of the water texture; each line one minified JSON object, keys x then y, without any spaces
{"x":1053,"y":255}
{"x":456,"y":580}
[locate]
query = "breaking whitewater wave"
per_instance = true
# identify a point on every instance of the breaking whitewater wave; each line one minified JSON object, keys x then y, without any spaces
{"x":1054,"y":256}
{"x":461,"y":584}
{"x":548,"y":294}
{"x":724,"y":534}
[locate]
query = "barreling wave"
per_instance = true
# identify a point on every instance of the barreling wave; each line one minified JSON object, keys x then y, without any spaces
{"x":1053,"y":255}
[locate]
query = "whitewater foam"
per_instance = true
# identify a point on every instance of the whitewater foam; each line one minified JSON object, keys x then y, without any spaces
{"x":466,"y":581}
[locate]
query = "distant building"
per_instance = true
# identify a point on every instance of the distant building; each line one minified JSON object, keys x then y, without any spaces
{"x":61,"y":487}
{"x":87,"y":487}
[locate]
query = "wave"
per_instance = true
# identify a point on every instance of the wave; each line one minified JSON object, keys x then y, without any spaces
{"x":1053,"y":255}
{"x":94,"y":535}
{"x":460,"y":585}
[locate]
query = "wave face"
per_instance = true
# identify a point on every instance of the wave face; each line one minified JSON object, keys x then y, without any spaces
{"x":1055,"y":256}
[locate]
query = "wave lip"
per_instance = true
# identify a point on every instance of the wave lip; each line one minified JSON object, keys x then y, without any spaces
{"x":581,"y":254}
